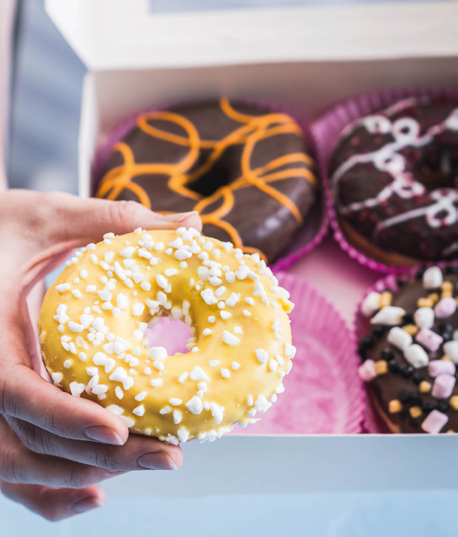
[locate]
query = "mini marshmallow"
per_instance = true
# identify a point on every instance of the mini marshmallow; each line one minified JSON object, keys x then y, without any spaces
{"x":416,"y":355}
{"x":443,"y":386}
{"x":434,"y":422}
{"x":429,"y":339}
{"x":441,"y":367}
{"x":389,"y":315}
{"x":446,"y":307}
{"x":432,"y":278}
{"x":370,"y":304}
{"x":399,"y":338}
{"x":367,"y":371}
{"x":451,"y":350}
{"x":424,"y":317}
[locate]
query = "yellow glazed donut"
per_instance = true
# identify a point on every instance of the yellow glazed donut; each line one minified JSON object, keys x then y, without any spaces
{"x":93,"y":321}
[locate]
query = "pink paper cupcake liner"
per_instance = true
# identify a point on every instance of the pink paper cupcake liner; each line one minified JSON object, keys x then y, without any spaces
{"x":361,"y":326}
{"x":316,"y":223}
{"x":323,"y":393}
{"x":326,"y":132}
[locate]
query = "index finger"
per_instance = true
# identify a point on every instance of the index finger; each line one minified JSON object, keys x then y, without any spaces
{"x":25,"y":395}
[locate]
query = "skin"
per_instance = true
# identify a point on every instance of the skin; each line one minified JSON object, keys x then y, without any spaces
{"x":54,"y":447}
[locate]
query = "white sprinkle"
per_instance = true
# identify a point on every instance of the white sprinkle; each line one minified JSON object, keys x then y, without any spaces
{"x":213,"y":363}
{"x":183,"y":434}
{"x":225,"y":314}
{"x":181,"y":254}
{"x":432,"y":278}
{"x":177,"y":417}
{"x":175,"y":402}
{"x":230,"y":339}
{"x":217,"y":412}
{"x":104,"y":295}
{"x":238,"y":330}
{"x":77,"y":294}
{"x":138,"y":309}
{"x":67,"y":364}
{"x":249,"y":300}
{"x":290,"y":350}
{"x":165,"y":410}
{"x":115,"y":409}
{"x":194,"y":405}
{"x":139,"y":411}
{"x":230,"y":276}
{"x":221,"y":304}
{"x":109,"y":256}
{"x":75,"y":327}
{"x":83,"y":273}
{"x":119,"y":393}
{"x":162,"y":281}
{"x":203,"y":273}
{"x":262,"y":356}
{"x":225,"y":373}
{"x":93,"y":259}
{"x":198,"y":374}
{"x":76,"y":388}
{"x":232,"y":300}
{"x":157,"y":364}
{"x":235,"y":365}
{"x":82,"y":356}
{"x":118,"y":375}
{"x":273,"y":365}
{"x":155,"y":383}
{"x":389,"y":315}
{"x":211,"y":319}
{"x":91,"y":289}
{"x":183,"y":377}
{"x":141,"y":396}
{"x":157,"y":353}
{"x":208,"y":296}
{"x":57,"y":377}
{"x":261,"y":404}
{"x":207,"y":331}
{"x":176,"y":243}
{"x":128,"y":421}
{"x":246,"y":313}
{"x":249,"y":400}
{"x":183,"y":265}
{"x":128,"y":251}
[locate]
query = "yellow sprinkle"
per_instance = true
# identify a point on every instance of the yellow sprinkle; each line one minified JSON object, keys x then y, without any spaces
{"x":425,"y":303}
{"x":454,"y":402}
{"x":385,"y":299}
{"x":434,"y":297}
{"x":381,"y":367}
{"x":411,"y":329}
{"x":425,"y":386}
{"x":394,"y":406}
{"x":415,"y":412}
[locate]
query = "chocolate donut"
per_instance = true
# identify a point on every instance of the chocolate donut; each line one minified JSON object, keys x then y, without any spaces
{"x":395,"y":182}
{"x":410,"y":355}
{"x":243,"y":167}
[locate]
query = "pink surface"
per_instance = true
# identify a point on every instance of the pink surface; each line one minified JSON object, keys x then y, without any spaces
{"x":323,"y":393}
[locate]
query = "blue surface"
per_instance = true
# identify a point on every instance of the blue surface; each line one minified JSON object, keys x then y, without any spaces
{"x":391,"y":514}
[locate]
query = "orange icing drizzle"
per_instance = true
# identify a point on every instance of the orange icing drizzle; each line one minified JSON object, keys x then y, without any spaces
{"x":253,"y":130}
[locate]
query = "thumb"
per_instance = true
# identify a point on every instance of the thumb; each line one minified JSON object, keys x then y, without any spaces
{"x":80,"y":220}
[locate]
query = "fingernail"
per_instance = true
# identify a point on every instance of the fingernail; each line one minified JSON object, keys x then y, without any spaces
{"x":179,"y":217}
{"x":102,"y":434}
{"x":86,"y":504}
{"x":156,"y":461}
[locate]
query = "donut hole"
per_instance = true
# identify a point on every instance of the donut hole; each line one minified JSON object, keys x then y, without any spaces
{"x":437,"y":166}
{"x":168,"y":333}
{"x":218,"y":176}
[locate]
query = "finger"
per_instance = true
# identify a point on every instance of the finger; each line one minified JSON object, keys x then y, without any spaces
{"x":54,"y":504}
{"x":138,"y":453}
{"x":20,"y":465}
{"x":86,"y":220}
{"x":26,"y":396}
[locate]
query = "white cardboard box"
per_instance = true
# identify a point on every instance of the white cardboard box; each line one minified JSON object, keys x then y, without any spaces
{"x":308,"y":58}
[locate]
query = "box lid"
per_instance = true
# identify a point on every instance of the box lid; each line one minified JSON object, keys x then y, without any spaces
{"x":113,"y":34}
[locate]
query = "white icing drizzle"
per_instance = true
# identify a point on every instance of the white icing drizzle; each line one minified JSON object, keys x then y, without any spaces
{"x":405,"y":131}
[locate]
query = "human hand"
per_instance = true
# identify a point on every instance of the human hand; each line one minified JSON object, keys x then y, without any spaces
{"x":54,"y":447}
